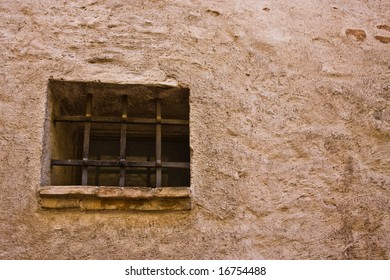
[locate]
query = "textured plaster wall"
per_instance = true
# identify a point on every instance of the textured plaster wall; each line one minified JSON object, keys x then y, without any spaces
{"x":290,"y":125}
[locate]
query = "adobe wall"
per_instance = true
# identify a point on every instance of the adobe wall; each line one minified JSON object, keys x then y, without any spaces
{"x":289,"y":125}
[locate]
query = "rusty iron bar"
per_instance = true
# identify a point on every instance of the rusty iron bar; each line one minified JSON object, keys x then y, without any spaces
{"x":158,"y":143}
{"x":118,"y":163}
{"x":122,"y":155}
{"x":87,"y":132}
{"x":119,"y":120}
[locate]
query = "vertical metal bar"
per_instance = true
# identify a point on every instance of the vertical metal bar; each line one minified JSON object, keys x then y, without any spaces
{"x":87,"y":132}
{"x":123,"y":143}
{"x":158,"y":143}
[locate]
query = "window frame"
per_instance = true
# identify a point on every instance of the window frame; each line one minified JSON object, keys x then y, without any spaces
{"x":120,"y":197}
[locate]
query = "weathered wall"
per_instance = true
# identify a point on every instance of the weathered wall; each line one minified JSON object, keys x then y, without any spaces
{"x":290,"y":122}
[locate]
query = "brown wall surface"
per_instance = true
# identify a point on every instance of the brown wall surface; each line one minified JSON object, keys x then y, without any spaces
{"x":289,"y":125}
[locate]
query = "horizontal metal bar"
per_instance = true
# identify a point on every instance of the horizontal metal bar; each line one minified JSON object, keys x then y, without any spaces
{"x":185,"y":165}
{"x":174,"y":121}
{"x":97,"y":119}
{"x":117,"y":163}
{"x":107,"y":163}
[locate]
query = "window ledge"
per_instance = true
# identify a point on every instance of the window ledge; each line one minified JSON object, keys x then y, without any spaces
{"x":115,"y":198}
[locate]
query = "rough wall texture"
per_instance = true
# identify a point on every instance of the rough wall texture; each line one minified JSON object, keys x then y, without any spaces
{"x":290,"y":125}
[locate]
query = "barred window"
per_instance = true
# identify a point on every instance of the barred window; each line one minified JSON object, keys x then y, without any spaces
{"x":118,"y":135}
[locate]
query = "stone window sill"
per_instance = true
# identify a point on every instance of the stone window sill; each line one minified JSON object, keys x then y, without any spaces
{"x":115,"y":198}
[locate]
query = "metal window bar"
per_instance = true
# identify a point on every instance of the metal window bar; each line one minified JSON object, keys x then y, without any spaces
{"x":118,"y":120}
{"x":122,"y":155}
{"x":122,"y":163}
{"x":87,"y":132}
{"x":117,"y":163}
{"x":158,"y":143}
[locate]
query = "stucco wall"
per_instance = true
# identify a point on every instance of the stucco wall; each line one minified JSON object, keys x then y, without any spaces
{"x":289,"y":125}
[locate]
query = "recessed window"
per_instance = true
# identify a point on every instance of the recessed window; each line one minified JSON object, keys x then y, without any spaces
{"x":114,"y":135}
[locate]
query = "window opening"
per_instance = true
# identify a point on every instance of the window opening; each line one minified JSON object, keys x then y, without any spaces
{"x":122,"y":150}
